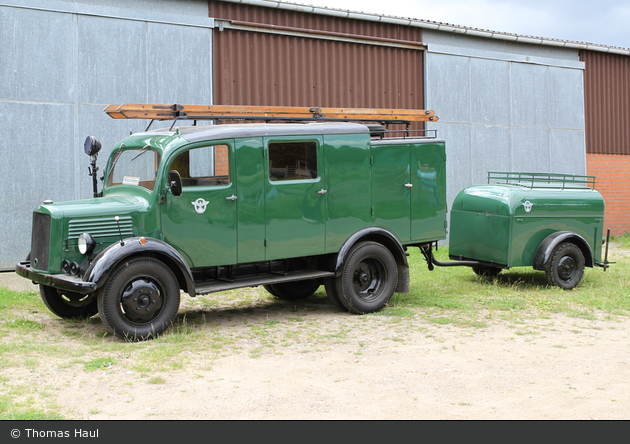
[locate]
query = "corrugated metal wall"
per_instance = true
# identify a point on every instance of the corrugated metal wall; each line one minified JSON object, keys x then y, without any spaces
{"x":300,"y":20}
{"x":504,"y":108}
{"x":61,"y":64}
{"x":266,"y":69}
{"x":314,"y":64}
{"x":607,"y":102}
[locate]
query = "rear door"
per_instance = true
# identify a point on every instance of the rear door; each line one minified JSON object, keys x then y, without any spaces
{"x":295,"y":196}
{"x":392,"y":188}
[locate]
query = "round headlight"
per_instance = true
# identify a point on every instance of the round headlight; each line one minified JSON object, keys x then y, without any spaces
{"x":86,"y":244}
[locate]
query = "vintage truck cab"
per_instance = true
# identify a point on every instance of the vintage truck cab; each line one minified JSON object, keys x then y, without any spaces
{"x":317,"y":201}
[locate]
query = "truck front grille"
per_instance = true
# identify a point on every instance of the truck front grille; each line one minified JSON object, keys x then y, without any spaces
{"x":40,"y":245}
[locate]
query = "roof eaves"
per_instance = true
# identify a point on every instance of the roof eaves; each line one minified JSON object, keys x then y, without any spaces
{"x":436,"y":26}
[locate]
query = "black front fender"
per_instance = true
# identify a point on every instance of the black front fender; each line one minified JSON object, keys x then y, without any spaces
{"x":543,"y":254}
{"x":106,"y":261}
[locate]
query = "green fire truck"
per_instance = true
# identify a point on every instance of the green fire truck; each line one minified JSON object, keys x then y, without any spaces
{"x":284,"y":197}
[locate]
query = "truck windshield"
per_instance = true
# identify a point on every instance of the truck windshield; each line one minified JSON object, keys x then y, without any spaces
{"x":134,"y":167}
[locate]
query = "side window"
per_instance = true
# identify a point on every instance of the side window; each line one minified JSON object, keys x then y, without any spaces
{"x":204,"y":166}
{"x":292,"y":160}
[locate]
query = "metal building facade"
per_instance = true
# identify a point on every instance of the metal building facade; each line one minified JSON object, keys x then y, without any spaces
{"x":62,"y":63}
{"x":504,"y":107}
{"x":281,"y":57}
{"x":607,"y":102}
{"x":505,"y":102}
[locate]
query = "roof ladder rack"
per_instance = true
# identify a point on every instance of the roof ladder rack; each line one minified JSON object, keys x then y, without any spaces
{"x":268,"y":113}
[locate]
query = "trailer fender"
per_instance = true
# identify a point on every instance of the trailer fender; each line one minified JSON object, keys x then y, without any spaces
{"x":543,"y":254}
{"x":106,"y":261}
{"x":385,"y":238}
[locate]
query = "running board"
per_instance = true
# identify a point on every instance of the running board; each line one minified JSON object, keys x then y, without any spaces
{"x":253,"y":281}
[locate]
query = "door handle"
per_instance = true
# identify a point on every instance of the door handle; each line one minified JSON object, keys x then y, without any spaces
{"x":322,"y":191}
{"x":232,"y":197}
{"x":408,"y":185}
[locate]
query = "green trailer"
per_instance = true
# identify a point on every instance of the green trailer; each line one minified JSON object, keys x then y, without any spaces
{"x":551,"y":222}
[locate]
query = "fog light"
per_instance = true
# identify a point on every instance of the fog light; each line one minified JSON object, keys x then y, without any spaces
{"x":65,"y":267}
{"x":86,"y":244}
{"x":74,"y":269}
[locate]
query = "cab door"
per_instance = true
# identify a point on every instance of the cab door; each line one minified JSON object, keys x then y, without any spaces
{"x":201,"y":223}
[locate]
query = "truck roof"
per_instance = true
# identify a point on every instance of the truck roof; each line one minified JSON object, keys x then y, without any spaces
{"x":228,"y":131}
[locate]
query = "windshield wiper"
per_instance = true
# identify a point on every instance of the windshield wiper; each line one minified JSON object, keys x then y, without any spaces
{"x":144,"y":150}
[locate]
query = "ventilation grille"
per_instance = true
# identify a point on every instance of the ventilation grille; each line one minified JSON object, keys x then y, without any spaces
{"x":101,"y":228}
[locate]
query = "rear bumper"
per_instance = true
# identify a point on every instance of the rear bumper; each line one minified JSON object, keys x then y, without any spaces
{"x":60,"y":281}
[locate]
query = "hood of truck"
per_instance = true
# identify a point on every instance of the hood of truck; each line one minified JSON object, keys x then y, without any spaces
{"x":111,"y":205}
{"x":57,"y":226}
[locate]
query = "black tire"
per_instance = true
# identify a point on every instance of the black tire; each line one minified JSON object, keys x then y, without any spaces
{"x":368,"y":279}
{"x":565,"y":267}
{"x":68,"y":304}
{"x":271,"y":291}
{"x":139,"y":300}
{"x":292,"y":291}
{"x":331,"y":290}
{"x":485,"y":271}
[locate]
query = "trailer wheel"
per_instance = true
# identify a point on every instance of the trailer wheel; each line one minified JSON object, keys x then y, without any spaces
{"x":293,"y":290}
{"x":368,"y":278}
{"x":69,"y":304}
{"x":565,"y":267}
{"x":140,"y":299}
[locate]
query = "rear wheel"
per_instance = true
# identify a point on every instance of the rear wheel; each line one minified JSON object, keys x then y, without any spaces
{"x":139,"y":300}
{"x":293,"y":290}
{"x":69,"y":304}
{"x":368,"y":278}
{"x":565,"y":267}
{"x":331,"y":291}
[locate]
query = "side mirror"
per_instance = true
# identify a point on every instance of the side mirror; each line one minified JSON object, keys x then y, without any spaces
{"x":91,"y":146}
{"x":175,"y":183}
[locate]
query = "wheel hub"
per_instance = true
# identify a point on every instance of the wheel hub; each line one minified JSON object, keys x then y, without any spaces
{"x":566,"y":268}
{"x":368,"y":279}
{"x":141,"y":301}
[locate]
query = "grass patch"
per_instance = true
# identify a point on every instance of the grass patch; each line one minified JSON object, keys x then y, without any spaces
{"x":33,"y":342}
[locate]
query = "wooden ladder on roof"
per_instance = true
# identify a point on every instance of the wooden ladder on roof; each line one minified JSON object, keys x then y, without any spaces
{"x":267,"y":113}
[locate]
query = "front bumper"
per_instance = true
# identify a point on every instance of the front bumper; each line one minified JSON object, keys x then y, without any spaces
{"x":60,"y":281}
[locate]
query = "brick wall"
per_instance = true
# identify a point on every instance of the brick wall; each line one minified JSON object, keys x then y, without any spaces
{"x":612,"y":180}
{"x":221,"y":163}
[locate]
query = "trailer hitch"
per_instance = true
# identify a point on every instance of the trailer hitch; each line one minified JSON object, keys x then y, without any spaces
{"x":427,"y":252}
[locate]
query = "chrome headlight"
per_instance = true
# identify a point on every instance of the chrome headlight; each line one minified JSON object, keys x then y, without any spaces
{"x":86,"y":244}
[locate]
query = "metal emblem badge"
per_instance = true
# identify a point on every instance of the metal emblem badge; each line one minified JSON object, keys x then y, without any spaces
{"x":200,"y":205}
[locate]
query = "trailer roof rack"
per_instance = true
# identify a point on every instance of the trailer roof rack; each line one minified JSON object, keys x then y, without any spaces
{"x":178,"y":112}
{"x":542,"y":180}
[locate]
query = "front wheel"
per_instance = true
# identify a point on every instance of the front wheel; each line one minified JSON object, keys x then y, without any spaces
{"x":368,"y":279}
{"x":565,"y":267}
{"x":68,"y":304}
{"x":140,"y":299}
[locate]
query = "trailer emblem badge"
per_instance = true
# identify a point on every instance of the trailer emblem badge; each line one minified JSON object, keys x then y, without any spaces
{"x":200,"y":205}
{"x":528,"y":206}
